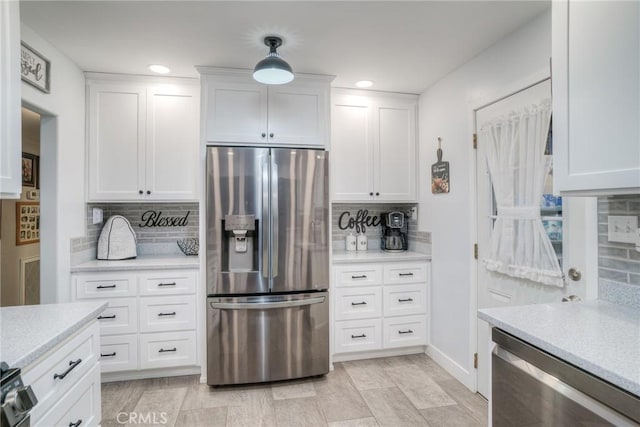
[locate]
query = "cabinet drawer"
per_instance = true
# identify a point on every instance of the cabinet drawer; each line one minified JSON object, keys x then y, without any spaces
{"x":81,"y":403}
{"x":119,"y":353}
{"x":105,"y":286}
{"x":163,"y":350}
{"x":405,"y":272}
{"x":403,"y":300}
{"x":358,"y":302}
{"x":168,"y":283}
{"x":160,"y":314}
{"x":55,"y":374}
{"x":358,"y":275}
{"x":120,"y":317}
{"x":405,"y":331}
{"x":358,"y":335}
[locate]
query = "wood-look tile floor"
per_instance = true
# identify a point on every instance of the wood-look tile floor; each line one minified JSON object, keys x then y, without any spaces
{"x":395,"y":391}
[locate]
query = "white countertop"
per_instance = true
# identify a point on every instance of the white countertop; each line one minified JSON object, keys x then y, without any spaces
{"x":376,"y":255}
{"x":600,"y":337}
{"x":142,"y":262}
{"x":28,"y":332}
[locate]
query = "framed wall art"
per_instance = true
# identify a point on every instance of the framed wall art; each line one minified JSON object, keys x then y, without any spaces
{"x":27,"y":223}
{"x":35,"y":68}
{"x":29,"y":169}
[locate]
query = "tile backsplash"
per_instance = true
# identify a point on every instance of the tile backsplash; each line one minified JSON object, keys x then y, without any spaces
{"x":418,"y":240}
{"x":157,"y":240}
{"x":618,"y":263}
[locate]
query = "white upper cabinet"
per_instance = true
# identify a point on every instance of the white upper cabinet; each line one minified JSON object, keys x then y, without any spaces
{"x":596,"y":97}
{"x":239,"y":110}
{"x":143,"y":139}
{"x":373,"y":146}
{"x":10,"y":124}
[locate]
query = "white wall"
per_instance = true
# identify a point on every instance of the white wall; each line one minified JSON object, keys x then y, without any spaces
{"x":62,"y":170}
{"x":446,"y":111}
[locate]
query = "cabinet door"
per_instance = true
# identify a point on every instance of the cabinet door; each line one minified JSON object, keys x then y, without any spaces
{"x":116,"y":141}
{"x":351,"y":149}
{"x":10,"y":128}
{"x":298,"y":115}
{"x":172,"y":142}
{"x":596,"y":87}
{"x":236,"y":112}
{"x":396,"y":154}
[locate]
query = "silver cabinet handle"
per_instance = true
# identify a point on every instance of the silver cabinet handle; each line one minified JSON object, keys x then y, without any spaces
{"x":162,"y":350}
{"x":167,"y":284}
{"x":113,"y":316}
{"x":408,"y":331}
{"x":265,"y":305}
{"x":359,"y":303}
{"x":362,"y":276}
{"x":105,"y":286}
{"x":108,"y":354}
{"x":173,"y":313}
{"x":359,"y":336}
{"x":405,"y":300}
{"x":405,"y":274}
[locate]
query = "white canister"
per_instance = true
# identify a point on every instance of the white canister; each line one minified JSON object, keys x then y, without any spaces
{"x":362,"y":242}
{"x":351,"y":242}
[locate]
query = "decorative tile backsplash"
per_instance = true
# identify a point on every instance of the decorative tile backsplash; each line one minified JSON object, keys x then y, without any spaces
{"x":618,"y":263}
{"x":373,"y":233}
{"x":160,"y":240}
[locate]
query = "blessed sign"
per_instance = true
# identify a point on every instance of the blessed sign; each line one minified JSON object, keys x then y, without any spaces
{"x":153,"y":218}
{"x":35,"y":68}
{"x":361,"y":221}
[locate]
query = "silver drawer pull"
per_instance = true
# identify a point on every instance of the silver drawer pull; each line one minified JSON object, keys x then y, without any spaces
{"x":359,"y":336}
{"x":167,"y":284}
{"x":359,"y":303}
{"x":173,"y":313}
{"x":405,"y":274}
{"x":362,"y":276}
{"x":105,"y":286}
{"x":408,"y":331}
{"x":107,"y":354}
{"x":405,"y":299}
{"x":162,"y":350}
{"x":72,"y":366}
{"x":113,"y":316}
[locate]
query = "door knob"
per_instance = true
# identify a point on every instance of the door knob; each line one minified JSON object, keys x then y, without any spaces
{"x":574,"y":274}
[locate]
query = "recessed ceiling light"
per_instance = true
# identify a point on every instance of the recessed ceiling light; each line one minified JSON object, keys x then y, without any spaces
{"x":160,"y":69}
{"x":364,"y":83}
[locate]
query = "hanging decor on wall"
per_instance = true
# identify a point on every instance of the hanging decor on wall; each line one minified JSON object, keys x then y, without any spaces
{"x":27,"y":223}
{"x":360,"y":223}
{"x":152,"y":218}
{"x":440,"y":173}
{"x":35,"y":68}
{"x":30,"y":165}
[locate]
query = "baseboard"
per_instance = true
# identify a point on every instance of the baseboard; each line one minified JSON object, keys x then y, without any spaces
{"x":449,"y":365}
{"x":374,"y":354}
{"x":108,"y":377}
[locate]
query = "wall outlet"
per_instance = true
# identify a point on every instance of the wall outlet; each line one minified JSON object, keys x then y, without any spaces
{"x":97,"y":215}
{"x":414,"y":213}
{"x":623,"y":228}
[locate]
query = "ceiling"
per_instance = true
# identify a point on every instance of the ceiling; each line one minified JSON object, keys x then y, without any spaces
{"x":401,"y":46}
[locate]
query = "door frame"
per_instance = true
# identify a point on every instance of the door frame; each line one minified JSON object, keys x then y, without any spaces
{"x":475,"y":105}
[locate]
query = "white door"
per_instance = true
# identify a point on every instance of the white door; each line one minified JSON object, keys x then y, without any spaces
{"x":297,"y":115}
{"x":236,"y":112}
{"x":351,"y":149}
{"x":571,"y":244}
{"x":116,"y":141}
{"x":173,"y":123}
{"x":395,"y":157}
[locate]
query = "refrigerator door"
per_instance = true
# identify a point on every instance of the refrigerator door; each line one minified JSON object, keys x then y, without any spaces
{"x":300,"y":220}
{"x":267,"y":338}
{"x":237,"y":233}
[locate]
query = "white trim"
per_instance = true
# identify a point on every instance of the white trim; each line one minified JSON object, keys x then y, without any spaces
{"x":458,"y":372}
{"x":510,"y":89}
{"x":375,"y":354}
{"x":138,"y":78}
{"x":108,"y":377}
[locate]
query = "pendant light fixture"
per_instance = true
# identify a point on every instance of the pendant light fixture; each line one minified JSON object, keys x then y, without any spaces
{"x":273,"y":70}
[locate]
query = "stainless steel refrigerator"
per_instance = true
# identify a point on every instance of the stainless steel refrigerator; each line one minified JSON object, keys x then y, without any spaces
{"x":267,"y":257}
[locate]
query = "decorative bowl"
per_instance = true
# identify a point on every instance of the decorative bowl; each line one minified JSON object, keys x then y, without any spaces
{"x":189,"y":246}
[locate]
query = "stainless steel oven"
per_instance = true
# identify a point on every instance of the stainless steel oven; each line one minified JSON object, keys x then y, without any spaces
{"x":531,"y":387}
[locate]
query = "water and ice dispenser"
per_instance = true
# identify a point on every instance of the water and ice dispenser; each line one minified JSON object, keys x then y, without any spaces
{"x":240,"y":243}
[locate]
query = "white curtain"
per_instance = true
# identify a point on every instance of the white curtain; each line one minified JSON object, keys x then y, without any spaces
{"x":518,"y":166}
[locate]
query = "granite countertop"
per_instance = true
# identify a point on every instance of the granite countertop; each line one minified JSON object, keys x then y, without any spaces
{"x":28,"y":332}
{"x":142,"y":262}
{"x":598,"y":336}
{"x":376,"y":255}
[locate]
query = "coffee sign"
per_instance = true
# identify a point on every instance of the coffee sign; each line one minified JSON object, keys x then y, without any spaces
{"x":360,"y":223}
{"x":35,"y":69}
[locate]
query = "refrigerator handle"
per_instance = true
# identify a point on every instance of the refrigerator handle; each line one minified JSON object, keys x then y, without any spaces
{"x":274,"y":218}
{"x":266,"y":218}
{"x":265,"y":305}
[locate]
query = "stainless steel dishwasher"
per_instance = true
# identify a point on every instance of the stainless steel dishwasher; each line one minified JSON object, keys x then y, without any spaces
{"x":532,"y":387}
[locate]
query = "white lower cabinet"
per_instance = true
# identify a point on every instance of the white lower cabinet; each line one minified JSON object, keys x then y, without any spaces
{"x":150,"y":321}
{"x":390,"y":315}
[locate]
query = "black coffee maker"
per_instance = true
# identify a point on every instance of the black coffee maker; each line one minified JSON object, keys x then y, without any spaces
{"x":395,"y":231}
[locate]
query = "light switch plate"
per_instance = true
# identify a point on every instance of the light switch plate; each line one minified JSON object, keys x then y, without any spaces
{"x":622,"y":228}
{"x":97,"y":215}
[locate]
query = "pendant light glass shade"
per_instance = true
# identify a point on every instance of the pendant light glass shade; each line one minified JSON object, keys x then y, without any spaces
{"x":273,"y":70}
